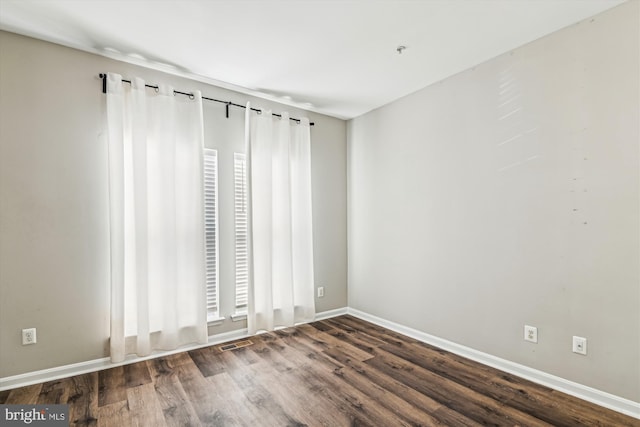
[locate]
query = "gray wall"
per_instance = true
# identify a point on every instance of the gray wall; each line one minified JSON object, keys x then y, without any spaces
{"x":54,"y":264}
{"x":508,"y":195}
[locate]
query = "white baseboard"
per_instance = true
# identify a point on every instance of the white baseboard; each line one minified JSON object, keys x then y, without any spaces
{"x":331,"y":313}
{"x":607,"y":400}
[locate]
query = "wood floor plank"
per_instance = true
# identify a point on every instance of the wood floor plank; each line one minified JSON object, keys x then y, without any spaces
{"x":476,"y":376}
{"x":473,"y":405}
{"x":584,"y":412}
{"x":172,"y":400}
{"x":386,"y":335}
{"x":363,"y":338}
{"x":4,"y":394}
{"x":232,"y":400}
{"x":163,"y":366}
{"x":363,"y":341}
{"x":83,"y":400}
{"x":111,"y":386}
{"x":289,"y":392}
{"x":299,"y":348}
{"x":289,"y":387}
{"x":160,"y":367}
{"x":174,"y":403}
{"x":114,"y":415}
{"x":321,"y":326}
{"x":329,"y":341}
{"x":400,"y":407}
{"x":210,"y":407}
{"x":136,"y":374}
{"x":356,"y":402}
{"x":310,"y":345}
{"x":205,"y":358}
{"x":290,"y":384}
{"x":435,"y":411}
{"x":25,"y":395}
{"x":343,"y":403}
{"x":274,"y":359}
{"x":262,"y":403}
{"x":178,"y":359}
{"x":524,"y":396}
{"x":307,"y":373}
{"x":328,"y":409}
{"x":144,"y":407}
{"x":247,"y":356}
{"x":54,"y":392}
{"x":297,"y":355}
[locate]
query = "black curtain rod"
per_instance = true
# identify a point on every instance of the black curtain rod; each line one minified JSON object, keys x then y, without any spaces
{"x":103,"y":76}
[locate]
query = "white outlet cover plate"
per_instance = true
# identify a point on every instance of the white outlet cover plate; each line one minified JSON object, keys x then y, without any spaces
{"x":29,"y":336}
{"x":580,"y":345}
{"x":530,"y":333}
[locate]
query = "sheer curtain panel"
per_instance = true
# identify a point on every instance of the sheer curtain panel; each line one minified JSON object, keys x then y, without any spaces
{"x":281,"y":242}
{"x":158,"y":292}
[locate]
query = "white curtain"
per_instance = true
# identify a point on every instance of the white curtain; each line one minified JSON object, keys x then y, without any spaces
{"x":156,"y":218}
{"x":281,"y":287}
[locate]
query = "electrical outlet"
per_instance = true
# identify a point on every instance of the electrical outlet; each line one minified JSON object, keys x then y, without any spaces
{"x":580,"y":345}
{"x":530,"y":333}
{"x":29,"y":336}
{"x":320,"y":291}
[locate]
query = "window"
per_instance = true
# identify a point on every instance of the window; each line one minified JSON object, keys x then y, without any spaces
{"x":211,"y":231}
{"x":240,"y":207}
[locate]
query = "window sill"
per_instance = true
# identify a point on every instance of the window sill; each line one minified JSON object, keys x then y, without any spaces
{"x":238,"y":317}
{"x":215,"y":321}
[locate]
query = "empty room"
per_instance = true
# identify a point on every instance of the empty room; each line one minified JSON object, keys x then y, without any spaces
{"x":320,"y":213}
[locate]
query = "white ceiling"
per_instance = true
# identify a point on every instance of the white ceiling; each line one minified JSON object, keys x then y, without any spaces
{"x":334,"y":57}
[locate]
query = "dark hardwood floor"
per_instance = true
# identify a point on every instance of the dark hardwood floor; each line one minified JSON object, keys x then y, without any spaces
{"x":337,"y":372}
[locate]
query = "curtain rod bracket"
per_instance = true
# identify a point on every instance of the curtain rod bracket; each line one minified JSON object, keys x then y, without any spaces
{"x":104,"y":82}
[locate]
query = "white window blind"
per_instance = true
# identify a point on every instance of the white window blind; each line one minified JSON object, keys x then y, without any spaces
{"x":211,"y":230}
{"x":240,"y":202}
